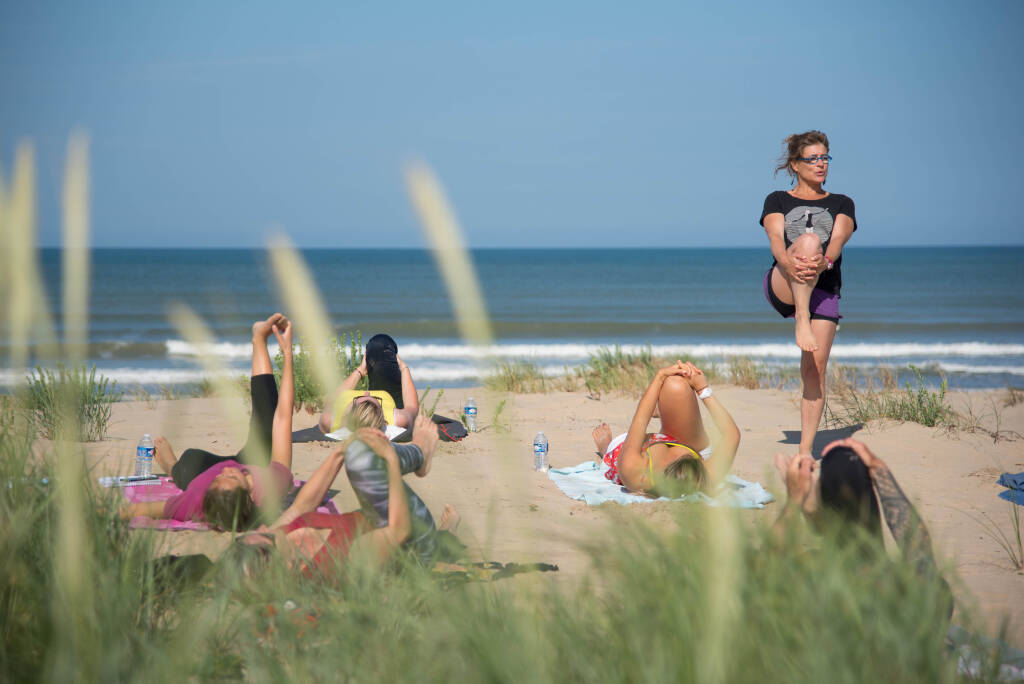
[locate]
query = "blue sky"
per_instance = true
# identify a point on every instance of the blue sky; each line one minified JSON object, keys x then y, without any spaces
{"x":550,"y":124}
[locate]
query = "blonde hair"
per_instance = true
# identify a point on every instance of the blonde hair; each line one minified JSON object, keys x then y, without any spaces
{"x":365,"y":414}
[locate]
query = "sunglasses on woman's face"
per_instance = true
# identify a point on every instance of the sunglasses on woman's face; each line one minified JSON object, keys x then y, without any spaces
{"x":823,"y":158}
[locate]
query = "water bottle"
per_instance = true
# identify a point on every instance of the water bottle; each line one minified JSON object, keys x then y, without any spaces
{"x":470,"y":413}
{"x":144,"y":457}
{"x":540,"y":453}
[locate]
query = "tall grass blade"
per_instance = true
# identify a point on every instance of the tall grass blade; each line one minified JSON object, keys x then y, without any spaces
{"x":29,"y":321}
{"x":76,"y":249}
{"x":73,"y":571}
{"x":449,"y":249}
{"x":722,"y":600}
{"x":306,"y":309}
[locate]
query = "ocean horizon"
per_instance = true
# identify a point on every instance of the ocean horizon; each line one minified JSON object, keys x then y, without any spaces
{"x":956,"y":313}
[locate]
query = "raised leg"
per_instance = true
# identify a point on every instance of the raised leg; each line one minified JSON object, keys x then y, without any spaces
{"x":263,"y":392}
{"x":812,"y":371}
{"x":792,"y":291}
{"x":163,"y":454}
{"x":680,"y":415}
{"x":326,"y":419}
{"x":367,"y":473}
{"x":602,"y":435}
{"x":260,"y":354}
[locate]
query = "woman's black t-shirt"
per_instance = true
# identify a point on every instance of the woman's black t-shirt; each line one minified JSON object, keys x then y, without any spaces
{"x":812,"y":216}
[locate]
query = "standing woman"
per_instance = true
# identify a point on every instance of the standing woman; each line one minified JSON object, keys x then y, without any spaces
{"x":807,"y":229}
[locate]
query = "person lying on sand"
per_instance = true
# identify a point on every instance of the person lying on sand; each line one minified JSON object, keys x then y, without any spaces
{"x":680,"y":459}
{"x":841,"y":490}
{"x":392,"y":516}
{"x":390,"y":387}
{"x":227,"y":491}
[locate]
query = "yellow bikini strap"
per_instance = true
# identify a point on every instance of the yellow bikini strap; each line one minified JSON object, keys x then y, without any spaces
{"x":650,"y":460}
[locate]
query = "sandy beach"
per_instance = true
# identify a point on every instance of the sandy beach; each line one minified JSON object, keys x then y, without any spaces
{"x":511,"y":513}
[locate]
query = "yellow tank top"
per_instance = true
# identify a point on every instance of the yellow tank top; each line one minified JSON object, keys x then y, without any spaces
{"x":387,"y":404}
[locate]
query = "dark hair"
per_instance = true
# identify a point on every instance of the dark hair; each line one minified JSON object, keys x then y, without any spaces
{"x":244,"y":560}
{"x":382,"y":371}
{"x":847,"y":491}
{"x":229,"y":509}
{"x":685,"y":475}
{"x":793,"y":149}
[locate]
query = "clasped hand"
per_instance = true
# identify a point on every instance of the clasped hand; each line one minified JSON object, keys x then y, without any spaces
{"x":688,"y":371}
{"x":802,"y":269}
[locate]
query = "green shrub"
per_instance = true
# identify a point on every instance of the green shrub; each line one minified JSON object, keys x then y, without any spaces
{"x":71,"y":403}
{"x":914,"y":405}
{"x":613,"y":370}
{"x":429,"y":412}
{"x":346,"y":352}
{"x":516,"y":376}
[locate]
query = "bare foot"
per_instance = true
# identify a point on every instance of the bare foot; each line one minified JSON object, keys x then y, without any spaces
{"x":424,"y":435}
{"x":163,"y":454}
{"x":602,"y":435}
{"x":262,"y":329}
{"x":450,"y":519}
{"x":805,"y":336}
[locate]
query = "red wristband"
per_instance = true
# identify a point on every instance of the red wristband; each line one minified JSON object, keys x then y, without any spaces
{"x":830,"y":264}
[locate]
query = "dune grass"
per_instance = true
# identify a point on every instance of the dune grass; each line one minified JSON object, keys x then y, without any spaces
{"x":73,"y":402}
{"x":516,"y":376}
{"x":642,"y":613}
{"x":853,"y":403}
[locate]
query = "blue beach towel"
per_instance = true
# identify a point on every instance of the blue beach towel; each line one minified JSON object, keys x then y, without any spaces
{"x":586,"y":482}
{"x":1015,"y":488}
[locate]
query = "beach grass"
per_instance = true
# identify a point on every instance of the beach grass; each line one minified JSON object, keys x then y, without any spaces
{"x":1012,"y":542}
{"x":848,"y":619}
{"x":516,"y":376}
{"x":854,"y":402}
{"x":74,"y":401}
{"x":1014,"y":396}
{"x":612,"y":370}
{"x":429,"y":412}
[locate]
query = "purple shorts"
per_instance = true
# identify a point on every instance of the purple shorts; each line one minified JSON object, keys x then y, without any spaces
{"x":824,"y":305}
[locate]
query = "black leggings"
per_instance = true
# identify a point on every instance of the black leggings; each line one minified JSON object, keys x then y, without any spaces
{"x":382,"y":369}
{"x":263,"y":391}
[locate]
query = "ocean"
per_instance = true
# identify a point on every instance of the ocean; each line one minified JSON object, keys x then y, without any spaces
{"x":956,"y":313}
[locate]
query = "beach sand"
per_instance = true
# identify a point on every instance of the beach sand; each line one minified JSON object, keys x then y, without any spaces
{"x":512,"y":514}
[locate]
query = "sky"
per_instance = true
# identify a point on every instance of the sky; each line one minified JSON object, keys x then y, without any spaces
{"x":593,"y":124}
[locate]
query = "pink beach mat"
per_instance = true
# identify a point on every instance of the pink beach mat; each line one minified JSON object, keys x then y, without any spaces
{"x":166,"y":489}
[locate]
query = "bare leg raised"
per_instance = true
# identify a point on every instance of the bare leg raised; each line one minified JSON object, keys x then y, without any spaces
{"x":680,"y":415}
{"x":163,"y":454}
{"x":602,"y":435}
{"x":792,"y":291}
{"x":260,"y":355}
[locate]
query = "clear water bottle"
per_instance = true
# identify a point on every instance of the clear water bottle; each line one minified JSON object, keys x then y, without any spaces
{"x":144,"y":457}
{"x":470,"y":413}
{"x":540,"y":453}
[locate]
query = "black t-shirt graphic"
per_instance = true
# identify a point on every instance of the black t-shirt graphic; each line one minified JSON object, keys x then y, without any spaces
{"x":812,"y":216}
